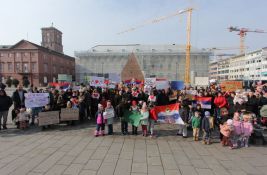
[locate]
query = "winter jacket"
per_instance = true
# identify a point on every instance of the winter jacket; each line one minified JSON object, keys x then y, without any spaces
{"x":184,"y":114}
{"x":247,"y":128}
{"x":144,"y":118}
{"x":109,"y":115}
{"x":230,"y":101}
{"x":5,"y":103}
{"x":252,"y":104}
{"x":196,"y":122}
{"x":238,"y":127}
{"x":206,"y":124}
{"x":16,"y":99}
{"x":220,"y":102}
{"x":263,"y":111}
{"x":100,"y":118}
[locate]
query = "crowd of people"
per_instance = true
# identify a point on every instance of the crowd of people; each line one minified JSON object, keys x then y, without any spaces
{"x":233,"y":114}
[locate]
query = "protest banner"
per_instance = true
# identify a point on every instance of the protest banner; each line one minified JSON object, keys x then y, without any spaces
{"x":36,"y":99}
{"x":231,"y":86}
{"x":167,"y":114}
{"x":132,"y":117}
{"x":114,"y":77}
{"x":205,"y":102}
{"x":69,"y":114}
{"x":48,"y":118}
{"x":150,"y":82}
{"x":190,"y":94}
{"x":97,"y":81}
{"x":177,"y":85}
{"x":162,"y":84}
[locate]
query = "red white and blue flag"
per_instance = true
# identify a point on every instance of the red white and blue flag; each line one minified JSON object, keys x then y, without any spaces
{"x":167,"y":114}
{"x":205,"y":102}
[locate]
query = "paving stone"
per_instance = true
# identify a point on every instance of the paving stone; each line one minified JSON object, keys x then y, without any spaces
{"x":139,"y":168}
{"x":66,"y":160}
{"x":139,"y":156}
{"x":99,"y":154}
{"x":155,"y":170}
{"x":187,"y":170}
{"x":126,"y":155}
{"x":168,"y":162}
{"x":106,"y":168}
{"x":154,"y":161}
{"x":123,"y":167}
{"x":13,"y":165}
{"x":172,"y":172}
{"x":201,"y":171}
{"x":57,"y":170}
{"x":83,"y":157}
{"x":111,"y":158}
{"x":93,"y":165}
{"x":73,"y":169}
{"x":87,"y":172}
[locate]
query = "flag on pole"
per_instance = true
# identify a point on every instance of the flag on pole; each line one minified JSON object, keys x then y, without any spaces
{"x":132,"y":117}
{"x":205,"y":102}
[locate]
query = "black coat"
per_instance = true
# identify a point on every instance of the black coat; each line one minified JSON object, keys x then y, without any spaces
{"x":252,"y":104}
{"x":16,"y":99}
{"x":5,"y":103}
{"x":184,"y":114}
{"x":205,"y":124}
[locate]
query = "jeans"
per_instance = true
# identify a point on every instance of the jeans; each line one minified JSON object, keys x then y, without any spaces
{"x":134,"y":130}
{"x":124,"y":127}
{"x":3,"y":114}
{"x":102,"y":126}
{"x":206,"y":135}
{"x":110,"y":129}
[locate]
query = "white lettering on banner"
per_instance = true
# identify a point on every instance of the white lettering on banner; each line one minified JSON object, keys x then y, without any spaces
{"x":48,"y":118}
{"x":150,"y":82}
{"x":68,"y":114}
{"x":36,"y":99}
{"x":97,"y":81}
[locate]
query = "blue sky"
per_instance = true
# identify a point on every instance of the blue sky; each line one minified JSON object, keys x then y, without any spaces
{"x":86,"y":23}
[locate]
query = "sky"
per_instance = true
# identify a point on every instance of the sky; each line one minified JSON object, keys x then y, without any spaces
{"x":86,"y":23}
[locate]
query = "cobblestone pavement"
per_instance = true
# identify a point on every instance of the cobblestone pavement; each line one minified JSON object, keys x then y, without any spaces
{"x":74,"y":150}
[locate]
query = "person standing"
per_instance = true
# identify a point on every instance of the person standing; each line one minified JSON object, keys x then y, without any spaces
{"x":18,"y":97}
{"x":5,"y":104}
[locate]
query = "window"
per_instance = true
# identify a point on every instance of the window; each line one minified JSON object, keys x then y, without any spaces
{"x":18,"y":68}
{"x":10,"y":55}
{"x":9,"y":67}
{"x":1,"y":54}
{"x":25,"y":68}
{"x":45,"y":67}
{"x":34,"y":68}
{"x":17,"y":55}
{"x":1,"y":67}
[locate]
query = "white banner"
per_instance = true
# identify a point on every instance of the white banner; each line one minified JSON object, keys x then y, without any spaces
{"x":150,"y":82}
{"x":36,"y":99}
{"x":162,"y":84}
{"x":97,"y":81}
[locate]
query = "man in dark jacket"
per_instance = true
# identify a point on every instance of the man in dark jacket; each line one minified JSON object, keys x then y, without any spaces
{"x":252,"y":104}
{"x":18,"y":97}
{"x":5,"y":104}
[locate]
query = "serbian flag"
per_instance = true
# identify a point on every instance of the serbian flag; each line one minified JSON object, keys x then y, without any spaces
{"x":205,"y":102}
{"x":167,"y":114}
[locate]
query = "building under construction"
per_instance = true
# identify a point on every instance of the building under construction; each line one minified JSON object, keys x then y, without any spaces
{"x":161,"y":61}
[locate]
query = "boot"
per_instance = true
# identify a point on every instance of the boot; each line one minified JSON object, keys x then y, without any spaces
{"x":96,"y":133}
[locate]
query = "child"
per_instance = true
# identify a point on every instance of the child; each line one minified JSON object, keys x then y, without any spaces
{"x":109,"y":115}
{"x":238,"y":129}
{"x":151,"y":120}
{"x":134,"y":107}
{"x":100,"y":122}
{"x":23,"y":118}
{"x":206,"y":127}
{"x":69,"y":105}
{"x":196,"y":125}
{"x":144,"y":119}
{"x":247,"y":128}
{"x":226,"y":131}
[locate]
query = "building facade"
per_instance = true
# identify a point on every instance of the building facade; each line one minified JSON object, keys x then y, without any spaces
{"x":248,"y":67}
{"x":40,"y":65}
{"x":162,"y":61}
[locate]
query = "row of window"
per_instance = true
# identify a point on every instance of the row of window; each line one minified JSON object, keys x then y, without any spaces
{"x":17,"y":54}
{"x":18,"y":67}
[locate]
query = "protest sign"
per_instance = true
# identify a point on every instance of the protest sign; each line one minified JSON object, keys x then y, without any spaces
{"x":114,"y":77}
{"x":177,"y":85}
{"x":167,"y":114}
{"x":97,"y":81}
{"x":151,"y":82}
{"x":48,"y":118}
{"x":231,"y":86}
{"x":69,"y":114}
{"x":36,"y":99}
{"x":132,"y":117}
{"x":162,"y":84}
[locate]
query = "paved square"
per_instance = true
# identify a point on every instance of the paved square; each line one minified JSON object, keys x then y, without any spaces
{"x":73,"y":150}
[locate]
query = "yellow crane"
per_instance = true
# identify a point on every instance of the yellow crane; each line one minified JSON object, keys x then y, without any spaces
{"x":188,"y":35}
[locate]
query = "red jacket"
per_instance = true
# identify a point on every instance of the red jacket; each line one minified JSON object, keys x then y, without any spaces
{"x":220,"y":102}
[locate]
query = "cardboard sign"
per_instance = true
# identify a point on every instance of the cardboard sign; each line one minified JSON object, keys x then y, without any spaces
{"x":231,"y":86}
{"x":36,"y":99}
{"x":48,"y":118}
{"x":69,"y":114}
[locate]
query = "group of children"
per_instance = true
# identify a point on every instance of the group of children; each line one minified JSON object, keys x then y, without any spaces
{"x":236,"y":131}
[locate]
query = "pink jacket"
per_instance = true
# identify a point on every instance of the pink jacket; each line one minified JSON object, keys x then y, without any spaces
{"x":248,"y":128}
{"x":100,"y":118}
{"x":238,"y":127}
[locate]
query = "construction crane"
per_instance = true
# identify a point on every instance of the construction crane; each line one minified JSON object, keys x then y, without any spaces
{"x":188,"y":35}
{"x":242,"y":32}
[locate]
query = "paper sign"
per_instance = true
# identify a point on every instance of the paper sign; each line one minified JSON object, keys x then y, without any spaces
{"x":36,"y":99}
{"x":231,"y":86}
{"x":97,"y":81}
{"x":162,"y":85}
{"x":48,"y":118}
{"x":150,"y":82}
{"x":69,"y":114}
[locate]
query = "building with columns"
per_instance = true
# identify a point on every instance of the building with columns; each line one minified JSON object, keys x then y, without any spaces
{"x":39,"y":64}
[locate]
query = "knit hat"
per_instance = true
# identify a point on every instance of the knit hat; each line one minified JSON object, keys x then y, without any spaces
{"x":207,"y":113}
